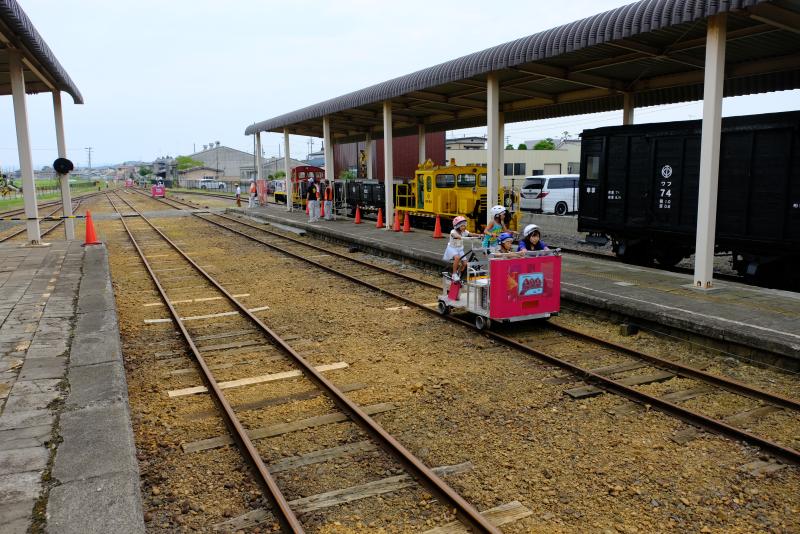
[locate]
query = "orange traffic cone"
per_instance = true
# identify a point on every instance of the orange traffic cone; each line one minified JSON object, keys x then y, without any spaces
{"x":396,"y":225}
{"x":358,"y":214}
{"x":91,"y":237}
{"x":437,"y":230}
{"x":407,"y":224}
{"x":321,"y":209}
{"x":306,"y":208}
{"x":380,"y":219}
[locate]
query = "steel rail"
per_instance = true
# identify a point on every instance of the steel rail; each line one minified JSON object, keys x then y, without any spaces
{"x":465,"y":511}
{"x":279,"y":503}
{"x":681,"y":369}
{"x":689,"y":416}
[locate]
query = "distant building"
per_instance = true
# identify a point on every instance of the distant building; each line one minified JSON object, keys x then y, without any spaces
{"x":316,"y":159}
{"x":195,"y":174}
{"x":518,"y":164}
{"x":465,"y":143}
{"x":228,"y":160}
{"x":269,"y":166}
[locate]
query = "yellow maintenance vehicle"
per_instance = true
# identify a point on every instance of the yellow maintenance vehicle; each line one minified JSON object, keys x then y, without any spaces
{"x":451,"y":190}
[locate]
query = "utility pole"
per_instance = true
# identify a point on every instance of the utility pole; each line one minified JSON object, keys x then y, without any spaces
{"x":89,"y":150}
{"x":310,"y":145}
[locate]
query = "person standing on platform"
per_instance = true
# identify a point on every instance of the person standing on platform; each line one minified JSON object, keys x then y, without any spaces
{"x":328,"y":199}
{"x":238,"y":195}
{"x":311,"y":202}
{"x":253,"y":192}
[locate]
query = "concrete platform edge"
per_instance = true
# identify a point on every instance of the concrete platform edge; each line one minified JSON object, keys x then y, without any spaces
{"x":95,"y":466}
{"x":689,"y":324}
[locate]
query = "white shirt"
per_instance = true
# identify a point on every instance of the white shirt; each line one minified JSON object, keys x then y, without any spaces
{"x":238,"y":190}
{"x":456,"y":238}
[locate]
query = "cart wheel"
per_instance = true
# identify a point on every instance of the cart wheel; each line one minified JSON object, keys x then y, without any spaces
{"x":444,"y":309}
{"x":482,"y":323}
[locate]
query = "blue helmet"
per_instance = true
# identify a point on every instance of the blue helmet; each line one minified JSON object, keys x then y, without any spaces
{"x":504,"y":236}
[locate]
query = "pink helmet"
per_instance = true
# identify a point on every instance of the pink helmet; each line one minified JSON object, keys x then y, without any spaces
{"x":459,"y":220}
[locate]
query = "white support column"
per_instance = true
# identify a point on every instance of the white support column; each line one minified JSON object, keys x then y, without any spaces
{"x":421,"y":143}
{"x":709,"y":152}
{"x":492,"y":131}
{"x":287,"y":170}
{"x":24,"y":145}
{"x":259,"y":171}
{"x":501,"y":149}
{"x":368,"y":154}
{"x":388,"y":164}
{"x":330,"y":171}
{"x":627,"y":108}
{"x":66,"y":197}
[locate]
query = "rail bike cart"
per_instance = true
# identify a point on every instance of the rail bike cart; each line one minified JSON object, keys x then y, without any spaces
{"x":129,"y":182}
{"x":505,"y":289}
{"x":158,"y":191}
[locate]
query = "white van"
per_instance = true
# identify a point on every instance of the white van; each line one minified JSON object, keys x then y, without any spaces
{"x":554,"y":193}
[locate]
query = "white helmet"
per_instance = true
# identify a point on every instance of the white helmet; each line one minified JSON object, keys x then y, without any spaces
{"x":497,"y":210}
{"x":529,"y":230}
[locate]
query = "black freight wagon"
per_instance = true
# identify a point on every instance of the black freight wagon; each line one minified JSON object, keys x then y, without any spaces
{"x":639,"y":186}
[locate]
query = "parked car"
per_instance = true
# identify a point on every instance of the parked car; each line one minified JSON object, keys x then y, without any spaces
{"x":211,"y":183}
{"x":556,"y":193}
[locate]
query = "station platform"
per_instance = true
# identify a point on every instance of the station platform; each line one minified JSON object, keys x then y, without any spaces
{"x":752,"y":322}
{"x":67,"y":454}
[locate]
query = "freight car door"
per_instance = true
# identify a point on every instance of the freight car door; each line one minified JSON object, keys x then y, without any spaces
{"x":590,"y":184}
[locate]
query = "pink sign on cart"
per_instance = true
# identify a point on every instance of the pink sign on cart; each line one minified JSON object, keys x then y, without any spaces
{"x":524,"y":286}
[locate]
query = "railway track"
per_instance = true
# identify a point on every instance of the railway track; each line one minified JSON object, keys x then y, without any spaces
{"x":21,"y":211}
{"x":272,"y":348}
{"x":607,"y":368}
{"x":48,"y":230}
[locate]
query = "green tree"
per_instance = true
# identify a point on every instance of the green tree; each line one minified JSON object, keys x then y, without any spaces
{"x":279,"y":175}
{"x":145,"y":171}
{"x":509,"y":147}
{"x":270,"y":177}
{"x":522,"y":146}
{"x":347,"y":175}
{"x":186,"y":162}
{"x":545,"y":144}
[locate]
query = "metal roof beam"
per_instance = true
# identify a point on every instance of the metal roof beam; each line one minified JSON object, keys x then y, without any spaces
{"x":559,"y":73}
{"x":436,"y":98}
{"x":777,"y":16}
{"x":656,"y":53}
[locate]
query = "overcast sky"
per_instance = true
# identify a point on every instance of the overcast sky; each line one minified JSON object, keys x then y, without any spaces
{"x":163,"y":77}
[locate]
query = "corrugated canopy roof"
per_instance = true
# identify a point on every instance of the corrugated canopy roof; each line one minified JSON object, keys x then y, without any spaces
{"x":653,"y":49}
{"x":42,"y":71}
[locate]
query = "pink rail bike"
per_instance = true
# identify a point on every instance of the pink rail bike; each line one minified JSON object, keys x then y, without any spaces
{"x":505,"y":289}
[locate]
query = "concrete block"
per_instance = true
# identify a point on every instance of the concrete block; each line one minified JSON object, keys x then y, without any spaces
{"x":96,"y":321}
{"x":42,"y":368}
{"x":21,"y":488}
{"x":25,"y":419}
{"x":20,"y":438}
{"x":100,"y":383}
{"x":29,"y":401}
{"x":21,"y":460}
{"x":94,"y":348}
{"x":101,"y":301}
{"x":27,"y":387}
{"x":96,"y":506}
{"x":103,"y":430}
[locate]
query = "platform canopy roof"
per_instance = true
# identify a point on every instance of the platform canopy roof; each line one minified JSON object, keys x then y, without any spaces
{"x":42,"y":71}
{"x":652,"y":49}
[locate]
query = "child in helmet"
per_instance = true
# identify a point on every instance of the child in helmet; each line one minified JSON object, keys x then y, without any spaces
{"x":532,"y":239}
{"x":455,"y":247}
{"x":506,"y":244}
{"x":497,"y":227}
